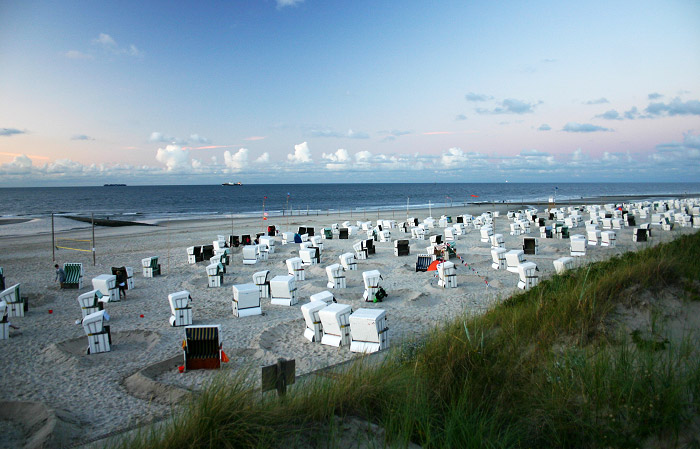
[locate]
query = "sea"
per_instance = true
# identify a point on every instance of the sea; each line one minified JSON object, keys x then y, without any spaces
{"x":151,"y":204}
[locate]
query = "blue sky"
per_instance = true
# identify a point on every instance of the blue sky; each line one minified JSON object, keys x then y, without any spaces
{"x":322,"y":91}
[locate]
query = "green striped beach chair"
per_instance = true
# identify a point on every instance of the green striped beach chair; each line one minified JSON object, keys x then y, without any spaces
{"x":15,"y":303}
{"x":151,"y":267}
{"x":201,"y":347}
{"x":74,"y":275}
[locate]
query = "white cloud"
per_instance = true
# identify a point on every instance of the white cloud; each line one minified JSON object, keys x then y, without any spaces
{"x":196,"y":138}
{"x":157,"y":136}
{"x":81,"y":137}
{"x":174,"y":157}
{"x":341,"y":155}
{"x":108,"y":43}
{"x":285,"y":3}
{"x":510,"y":106}
{"x":263,"y":158}
{"x":6,"y":132}
{"x":573,"y":127}
{"x":302,"y":154}
{"x":236,"y":161}
{"x":105,"y":40}
{"x":674,"y":107}
{"x":20,"y":165}
{"x":454,"y":157}
{"x":330,"y":133}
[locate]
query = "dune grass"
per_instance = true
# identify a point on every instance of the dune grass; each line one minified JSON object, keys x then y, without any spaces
{"x":546,"y":368}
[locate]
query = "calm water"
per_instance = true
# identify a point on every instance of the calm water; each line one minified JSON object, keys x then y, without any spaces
{"x":156,"y":202}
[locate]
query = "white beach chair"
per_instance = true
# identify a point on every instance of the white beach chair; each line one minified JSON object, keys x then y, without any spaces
{"x":99,"y":336}
{"x":150,"y":266}
{"x":369,"y":330}
{"x":91,"y":302}
{"x":180,"y":310}
{"x":295,"y":268}
{"x":250,"y":254}
{"x":215,"y":275}
{"x":269,"y":242}
{"x":499,"y":258}
{"x":309,"y":256}
{"x":324,"y":296}
{"x":314,"y":329}
{"x":514,"y":258}
{"x":497,"y":241}
{"x":317,"y":241}
{"x":450,"y":234}
{"x":287,"y":237}
{"x":447,"y":273}
{"x":360,"y":251}
{"x":13,"y":301}
{"x":418,"y":233}
{"x":608,"y":238}
{"x":486,"y":233}
{"x":563,"y":263}
{"x":246,"y":300}
{"x":107,"y":285}
{"x":348,"y":261}
{"x":524,"y":226}
{"x":335,"y":320}
{"x":528,"y":277}
{"x":578,"y":245}
{"x":336,"y":276}
{"x":594,"y":235}
{"x":262,"y":280}
{"x":371,"y":279}
{"x":129,"y":278}
{"x":4,"y":324}
{"x":385,"y":235}
{"x":191,"y":256}
{"x":515,"y":229}
{"x":261,"y":252}
{"x":283,"y":291}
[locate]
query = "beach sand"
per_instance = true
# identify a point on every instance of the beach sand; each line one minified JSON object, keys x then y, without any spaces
{"x":87,"y":396}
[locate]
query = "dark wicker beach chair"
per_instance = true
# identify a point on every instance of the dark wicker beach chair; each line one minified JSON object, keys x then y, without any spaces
{"x":401,"y":248}
{"x":74,"y":275}
{"x":202,"y":349}
{"x":343,"y":233}
{"x":424,"y":261}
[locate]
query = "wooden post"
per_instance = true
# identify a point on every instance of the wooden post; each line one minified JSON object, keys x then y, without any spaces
{"x":278,"y":376}
{"x":53,"y":240}
{"x":92,"y":218}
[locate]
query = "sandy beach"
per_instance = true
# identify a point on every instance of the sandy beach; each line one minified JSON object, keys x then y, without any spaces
{"x":92,"y":395}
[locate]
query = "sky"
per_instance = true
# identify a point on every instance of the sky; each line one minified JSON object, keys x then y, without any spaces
{"x":312,"y":91}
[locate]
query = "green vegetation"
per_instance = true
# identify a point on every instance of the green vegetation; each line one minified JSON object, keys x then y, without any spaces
{"x":551,"y":367}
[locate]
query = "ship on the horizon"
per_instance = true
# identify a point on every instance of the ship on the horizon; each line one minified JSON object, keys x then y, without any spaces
{"x":232,"y":184}
{"x":115,"y":185}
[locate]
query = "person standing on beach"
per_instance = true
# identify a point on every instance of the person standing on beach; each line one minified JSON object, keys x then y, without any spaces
{"x":60,"y":275}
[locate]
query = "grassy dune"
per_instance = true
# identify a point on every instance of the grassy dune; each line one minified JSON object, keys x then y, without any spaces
{"x":557,"y":366}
